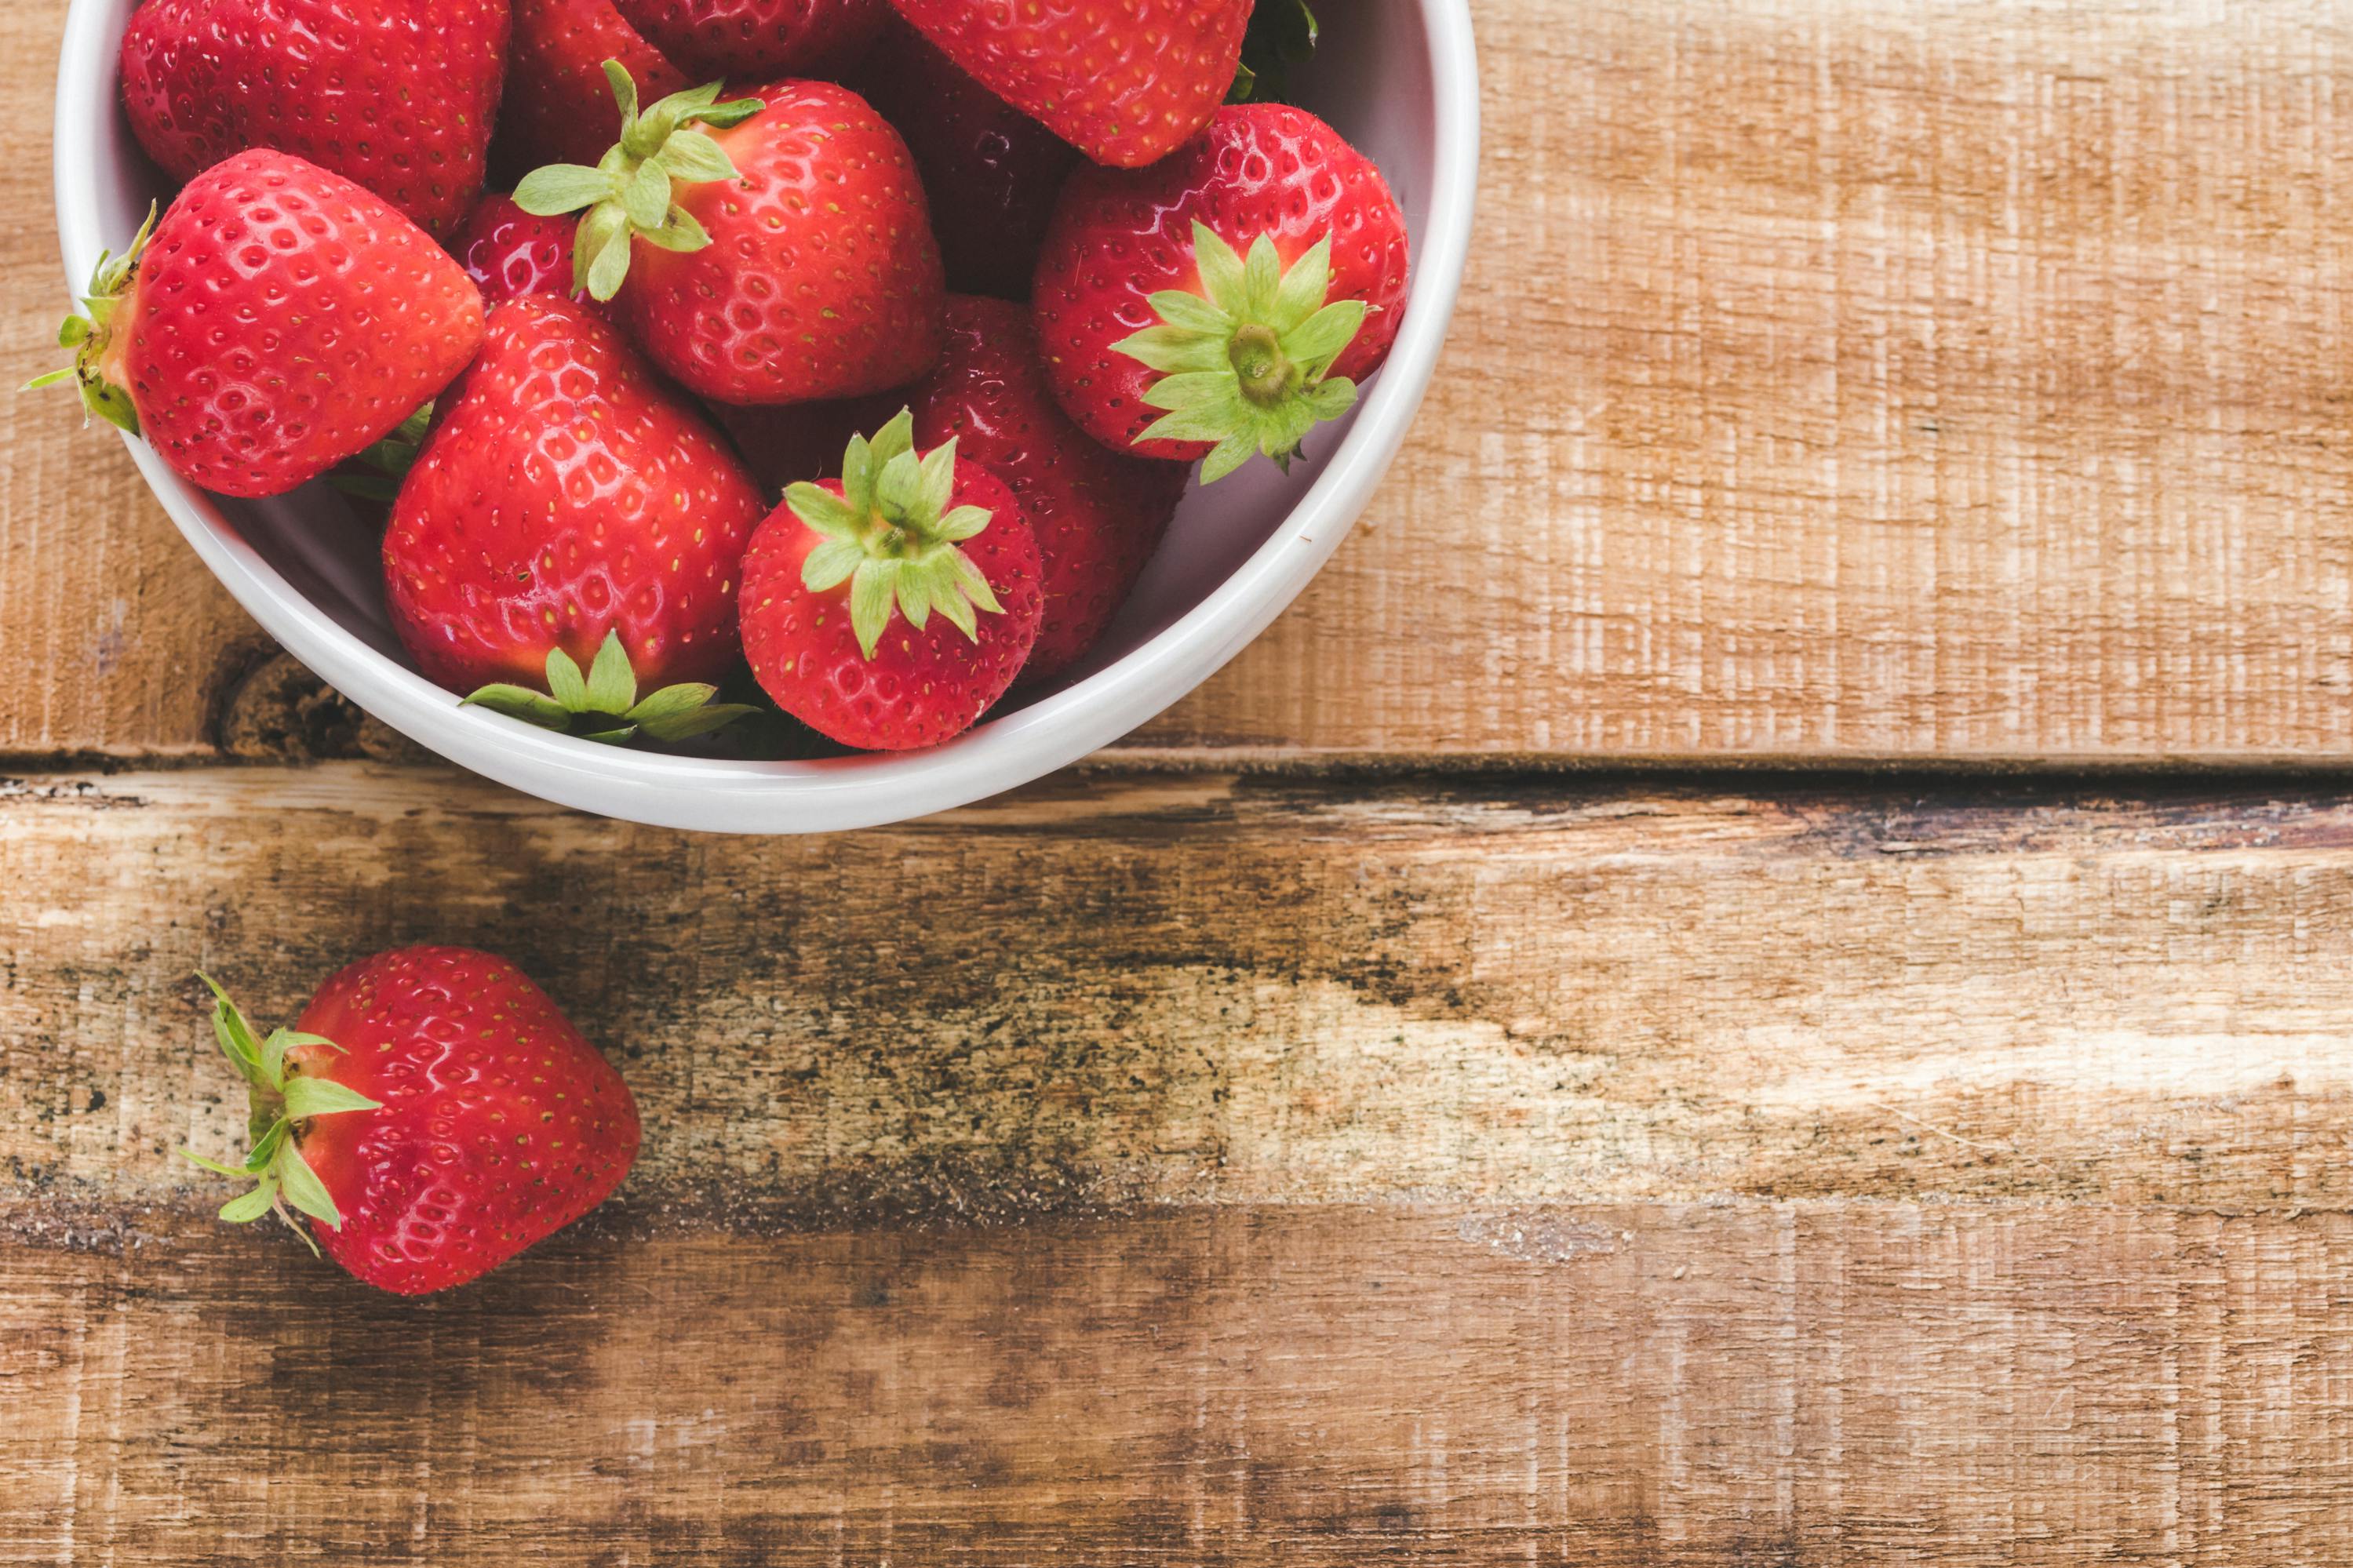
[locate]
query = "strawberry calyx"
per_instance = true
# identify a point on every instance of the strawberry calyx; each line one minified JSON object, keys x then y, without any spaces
{"x":91,"y":335}
{"x":281,"y":1100}
{"x":604,"y":705}
{"x":893,"y":536}
{"x":1245,"y":363}
{"x":629,"y":194}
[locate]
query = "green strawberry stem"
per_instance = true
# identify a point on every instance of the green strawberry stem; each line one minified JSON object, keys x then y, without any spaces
{"x":606,"y":698}
{"x":1246,"y":363}
{"x":628,"y":193}
{"x":1281,"y":38}
{"x":894,"y":538}
{"x":280,"y":1100}
{"x":376,"y":473}
{"x":90,"y":336}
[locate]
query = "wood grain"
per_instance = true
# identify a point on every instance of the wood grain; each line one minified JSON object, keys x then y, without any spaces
{"x":1240,"y":991}
{"x":1837,"y":379}
{"x":1648,"y":1384}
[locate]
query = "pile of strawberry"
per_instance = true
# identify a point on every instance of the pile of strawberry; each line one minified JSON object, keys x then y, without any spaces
{"x":582,"y":400}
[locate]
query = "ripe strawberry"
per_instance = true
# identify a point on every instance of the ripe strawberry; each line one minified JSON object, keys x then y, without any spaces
{"x":431,"y":1112}
{"x":1144,"y":308}
{"x":278,"y":320}
{"x":989,"y":171}
{"x":397,"y":95}
{"x":1123,"y":81}
{"x":771,"y":249}
{"x":559,"y":107}
{"x":842,"y":582}
{"x":750,"y":40}
{"x":509,"y":252}
{"x":1097,"y":514}
{"x":565,"y":494}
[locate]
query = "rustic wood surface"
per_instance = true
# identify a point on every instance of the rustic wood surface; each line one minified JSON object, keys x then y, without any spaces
{"x":1234,"y":1170}
{"x":1837,"y":379}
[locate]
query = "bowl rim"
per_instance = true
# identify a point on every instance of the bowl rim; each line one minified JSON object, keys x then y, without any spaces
{"x":834,"y":794}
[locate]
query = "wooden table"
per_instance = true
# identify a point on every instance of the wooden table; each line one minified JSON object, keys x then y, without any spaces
{"x":1610,"y":1036}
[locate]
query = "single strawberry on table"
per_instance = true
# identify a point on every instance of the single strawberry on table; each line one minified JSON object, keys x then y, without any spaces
{"x":1223,"y":301}
{"x":989,"y":171}
{"x":749,"y":40}
{"x":397,"y":95}
{"x":772,"y":249}
{"x":431,"y":1114}
{"x":559,"y":107}
{"x":890,"y":608}
{"x":1123,"y":81}
{"x":277,"y":321}
{"x":566,"y":495}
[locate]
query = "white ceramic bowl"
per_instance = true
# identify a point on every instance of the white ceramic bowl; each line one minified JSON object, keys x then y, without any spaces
{"x":1397,"y":78}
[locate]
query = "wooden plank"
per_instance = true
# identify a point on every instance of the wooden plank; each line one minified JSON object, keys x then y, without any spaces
{"x":1204,"y":988}
{"x":1619,"y":1385}
{"x":1837,"y":379}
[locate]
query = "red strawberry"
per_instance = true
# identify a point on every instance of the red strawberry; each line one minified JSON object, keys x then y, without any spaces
{"x":1160,"y":337}
{"x":566,"y":494}
{"x":397,"y":95}
{"x":990,"y":172}
{"x":278,"y":320}
{"x":509,"y":252}
{"x":1097,"y":515}
{"x":1122,"y":80}
{"x":843,"y":584}
{"x":772,"y":249}
{"x":559,"y":108}
{"x":432,"y":1114}
{"x":747,"y":40}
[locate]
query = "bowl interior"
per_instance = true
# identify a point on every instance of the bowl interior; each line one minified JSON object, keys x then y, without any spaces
{"x":308,"y":568}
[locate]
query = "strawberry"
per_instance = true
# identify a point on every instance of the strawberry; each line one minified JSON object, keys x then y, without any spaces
{"x":558,"y":108}
{"x":1159,"y":338}
{"x":509,"y":252}
{"x":565,"y":494}
{"x":1124,"y":81}
{"x":748,"y":40}
{"x":1097,"y":515}
{"x":843,"y":583}
{"x":989,"y":171}
{"x":431,"y":1114}
{"x":770,"y":249}
{"x":397,"y":95}
{"x":278,"y":320}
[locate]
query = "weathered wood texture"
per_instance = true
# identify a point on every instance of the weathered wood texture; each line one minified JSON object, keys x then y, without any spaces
{"x":1819,"y":1384}
{"x":1235,"y":990}
{"x":1874,"y":378}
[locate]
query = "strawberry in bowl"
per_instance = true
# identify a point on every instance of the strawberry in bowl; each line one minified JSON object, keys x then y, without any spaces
{"x":776,"y":250}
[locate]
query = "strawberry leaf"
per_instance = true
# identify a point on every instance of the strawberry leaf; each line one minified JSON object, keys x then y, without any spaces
{"x":585,"y":707}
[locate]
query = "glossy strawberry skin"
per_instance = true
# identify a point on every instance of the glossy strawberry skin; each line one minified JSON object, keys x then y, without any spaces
{"x":395,"y":95}
{"x":921,"y":686}
{"x":1119,"y":235}
{"x":559,"y":105}
{"x":748,"y":40}
{"x":509,"y":252}
{"x":821,"y":278}
{"x":1122,"y":80}
{"x":990,"y":172}
{"x":500,"y":1124}
{"x":565,"y":491}
{"x":281,"y":321}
